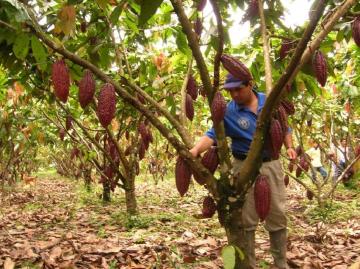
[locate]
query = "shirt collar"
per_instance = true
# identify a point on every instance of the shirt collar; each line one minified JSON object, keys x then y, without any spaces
{"x":261,"y":100}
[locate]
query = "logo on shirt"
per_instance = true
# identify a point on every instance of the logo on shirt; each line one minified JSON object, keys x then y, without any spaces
{"x":244,"y":123}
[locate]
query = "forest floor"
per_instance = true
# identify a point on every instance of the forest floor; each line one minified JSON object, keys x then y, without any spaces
{"x":55,"y":223}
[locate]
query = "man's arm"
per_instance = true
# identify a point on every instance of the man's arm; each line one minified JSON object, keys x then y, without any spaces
{"x":202,"y":145}
{"x":289,"y":146}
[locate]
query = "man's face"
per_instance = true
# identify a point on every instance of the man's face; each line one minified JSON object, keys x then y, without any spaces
{"x":241,"y":94}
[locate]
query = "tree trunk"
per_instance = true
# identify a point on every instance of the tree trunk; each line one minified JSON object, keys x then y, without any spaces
{"x":106,"y":192}
{"x":236,"y":236}
{"x":87,"y":179}
{"x":131,"y":205}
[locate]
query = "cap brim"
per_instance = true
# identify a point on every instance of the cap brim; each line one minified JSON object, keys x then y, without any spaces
{"x":232,"y":85}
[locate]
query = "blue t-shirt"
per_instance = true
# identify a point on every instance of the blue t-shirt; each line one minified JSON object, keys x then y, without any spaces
{"x":240,"y":124}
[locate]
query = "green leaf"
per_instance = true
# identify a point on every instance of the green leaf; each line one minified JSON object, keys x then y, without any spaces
{"x":228,"y":256}
{"x":114,"y":17}
{"x":39,"y":53}
{"x":148,"y":9}
{"x":74,"y":2}
{"x":21,"y":46}
{"x":182,"y":44}
{"x":102,"y":3}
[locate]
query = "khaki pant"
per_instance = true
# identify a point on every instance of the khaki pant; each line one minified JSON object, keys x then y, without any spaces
{"x":276,"y":220}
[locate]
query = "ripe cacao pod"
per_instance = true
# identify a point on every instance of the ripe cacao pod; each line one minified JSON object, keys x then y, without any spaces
{"x":209,"y":207}
{"x":198,"y":26}
{"x":286,"y":180}
{"x":106,"y":104}
{"x":262,"y":196}
{"x":291,"y":166}
{"x":218,"y":108}
{"x":320,"y":67}
{"x":182,"y":176}
{"x":86,"y":89}
{"x":189,"y":107}
{"x":304,"y":164}
{"x":289,"y":106}
{"x":62,"y":134}
{"x":357,"y":151}
{"x":61,"y":80}
{"x":235,"y":67}
{"x":298,"y":171}
{"x":252,"y":11}
{"x":75,"y":152}
{"x":68,"y":123}
{"x":276,"y":135}
{"x":211,"y":161}
{"x":283,"y":119}
{"x":142,"y":149}
{"x":286,"y":46}
{"x":309,"y":194}
{"x":201,"y":4}
{"x":109,"y":172}
{"x":192,"y":88}
{"x":356,"y":30}
{"x":143,"y":130}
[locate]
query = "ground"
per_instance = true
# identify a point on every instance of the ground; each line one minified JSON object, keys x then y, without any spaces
{"x":55,"y":223}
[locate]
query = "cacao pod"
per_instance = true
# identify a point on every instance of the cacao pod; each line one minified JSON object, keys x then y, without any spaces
{"x":83,"y":26}
{"x":298,"y":171}
{"x":211,"y":161}
{"x":262,"y":196}
{"x":109,"y":172}
{"x":283,"y":119}
{"x":68,"y":123}
{"x":286,"y":180}
{"x":198,"y":26}
{"x":75,"y":152}
{"x":304,"y":164}
{"x":235,"y":67}
{"x":62,"y":134}
{"x":61,"y":80}
{"x":357,"y":151}
{"x":182,"y":176}
{"x":189,"y":107}
{"x":106,"y":104}
{"x":309,"y":194}
{"x":218,"y":108}
{"x":142,"y":149}
{"x":209,"y":207}
{"x":356,"y":30}
{"x":286,"y":46}
{"x":191,"y":88}
{"x":86,"y":89}
{"x":201,"y":4}
{"x":252,"y":11}
{"x":320,"y":67}
{"x":276,"y":135}
{"x":291,"y":166}
{"x":143,"y":130}
{"x":289,"y":107}
{"x":299,"y":150}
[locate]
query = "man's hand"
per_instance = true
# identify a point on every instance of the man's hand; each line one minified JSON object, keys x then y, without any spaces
{"x":291,"y":153}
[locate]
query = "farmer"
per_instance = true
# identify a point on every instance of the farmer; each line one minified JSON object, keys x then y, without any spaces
{"x":240,"y":123}
{"x":315,"y":156}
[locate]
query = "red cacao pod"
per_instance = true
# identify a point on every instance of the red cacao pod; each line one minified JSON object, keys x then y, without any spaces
{"x":291,"y":166}
{"x":309,"y":194}
{"x":304,"y":164}
{"x":201,"y":4}
{"x":142,"y":149}
{"x":211,"y":161}
{"x":68,"y":123}
{"x":75,"y":152}
{"x":298,"y":171}
{"x":218,"y":108}
{"x":252,"y":11}
{"x":288,"y":106}
{"x":235,"y":67}
{"x":61,"y":80}
{"x":283,"y":119}
{"x":356,"y":30}
{"x":182,"y":176}
{"x":106,"y":104}
{"x":62,"y":134}
{"x":262,"y":196}
{"x":286,"y":180}
{"x":86,"y":89}
{"x":286,"y":46}
{"x":198,"y":26}
{"x":209,"y":207}
{"x":276,"y":135}
{"x":189,"y":107}
{"x":192,"y":88}
{"x":143,"y":130}
{"x":357,"y":151}
{"x":320,"y":67}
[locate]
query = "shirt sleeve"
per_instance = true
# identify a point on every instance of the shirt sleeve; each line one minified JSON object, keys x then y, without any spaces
{"x":211,"y":133}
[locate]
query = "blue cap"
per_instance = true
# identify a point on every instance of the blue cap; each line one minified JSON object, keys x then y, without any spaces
{"x":233,"y":82}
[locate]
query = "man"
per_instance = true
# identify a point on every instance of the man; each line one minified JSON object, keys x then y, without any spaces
{"x":315,"y":156}
{"x":240,"y":124}
{"x":339,"y":155}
